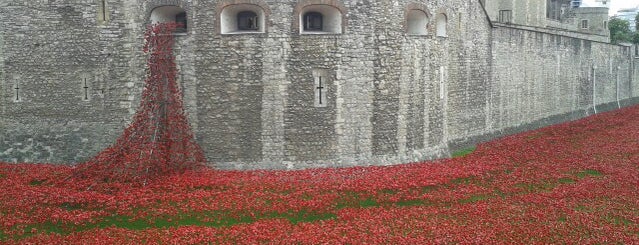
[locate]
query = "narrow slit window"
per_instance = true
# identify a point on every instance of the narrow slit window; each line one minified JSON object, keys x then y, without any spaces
{"x":442,"y":82}
{"x":103,"y":12}
{"x":248,"y":21}
{"x":85,"y":86}
{"x":17,"y":92}
{"x":320,"y":86}
{"x":313,"y":21}
{"x":103,"y":9}
{"x":86,"y":90}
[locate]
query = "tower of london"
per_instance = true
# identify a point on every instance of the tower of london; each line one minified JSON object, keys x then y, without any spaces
{"x":293,"y":84}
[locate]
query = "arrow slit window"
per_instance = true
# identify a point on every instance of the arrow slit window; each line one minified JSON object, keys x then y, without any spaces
{"x":321,"y":88}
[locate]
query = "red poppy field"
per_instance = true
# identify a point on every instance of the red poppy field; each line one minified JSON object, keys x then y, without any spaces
{"x":571,"y":183}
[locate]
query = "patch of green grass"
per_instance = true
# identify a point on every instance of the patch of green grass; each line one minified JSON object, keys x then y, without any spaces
{"x":36,"y":182}
{"x":369,"y":202}
{"x":307,"y":197}
{"x":125,"y":222}
{"x":389,"y":191}
{"x":408,"y":203}
{"x":582,"y":208}
{"x":428,"y":188}
{"x":619,"y":220}
{"x":305,"y":217}
{"x":535,"y":135}
{"x":475,"y":198}
{"x":500,"y":193}
{"x":589,"y":172}
{"x":563,"y":219}
{"x":352,"y":199}
{"x":464,"y":152}
{"x":70,"y":206}
{"x":213,"y":219}
{"x":566,"y":181}
{"x":2,"y":236}
{"x":536,"y":187}
{"x":462,"y":181}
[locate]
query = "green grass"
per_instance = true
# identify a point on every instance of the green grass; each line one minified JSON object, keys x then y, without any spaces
{"x":536,"y":187}
{"x":535,"y":136}
{"x":474,"y":199}
{"x":567,"y":181}
{"x":36,"y":182}
{"x":428,"y":188}
{"x":463,"y":181}
{"x":369,"y":202}
{"x":563,"y":219}
{"x":582,"y":208}
{"x":618,"y":220}
{"x":409,"y":203}
{"x":389,"y":191}
{"x":464,"y":152}
{"x":351,"y":199}
{"x":589,"y":172}
{"x":304,"y":217}
{"x":183,"y":219}
{"x":70,"y":206}
{"x":500,"y":193}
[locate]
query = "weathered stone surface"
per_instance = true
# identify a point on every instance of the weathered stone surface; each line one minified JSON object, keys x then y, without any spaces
{"x":392,"y":97}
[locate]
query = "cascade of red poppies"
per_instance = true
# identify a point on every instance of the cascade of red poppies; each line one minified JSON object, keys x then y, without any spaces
{"x":159,"y":141}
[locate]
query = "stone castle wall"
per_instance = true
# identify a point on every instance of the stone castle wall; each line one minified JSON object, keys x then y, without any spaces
{"x":560,"y":78}
{"x":391,"y":97}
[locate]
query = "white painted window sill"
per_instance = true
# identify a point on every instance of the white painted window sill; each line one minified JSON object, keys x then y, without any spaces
{"x":243,"y":32}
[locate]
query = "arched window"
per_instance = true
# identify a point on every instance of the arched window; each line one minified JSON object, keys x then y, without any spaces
{"x":168,"y":14}
{"x":320,"y":19}
{"x":442,"y":22}
{"x":417,"y":22}
{"x":248,"y":21}
{"x":242,"y":18}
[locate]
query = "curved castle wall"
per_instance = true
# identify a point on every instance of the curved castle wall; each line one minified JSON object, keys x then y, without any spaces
{"x":387,"y":97}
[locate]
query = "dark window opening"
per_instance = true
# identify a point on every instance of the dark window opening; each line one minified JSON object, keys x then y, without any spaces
{"x":247,"y":21}
{"x":313,"y":21}
{"x":505,"y":16}
{"x":180,"y":19}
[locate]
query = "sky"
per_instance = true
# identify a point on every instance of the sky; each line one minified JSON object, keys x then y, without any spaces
{"x":620,"y":4}
{"x":615,"y":4}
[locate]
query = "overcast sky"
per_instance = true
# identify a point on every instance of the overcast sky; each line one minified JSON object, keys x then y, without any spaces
{"x":618,"y":4}
{"x":615,"y":4}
